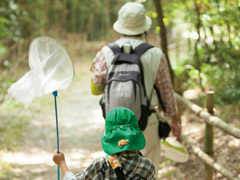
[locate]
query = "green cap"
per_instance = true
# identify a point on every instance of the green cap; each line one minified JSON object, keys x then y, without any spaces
{"x":122,"y":132}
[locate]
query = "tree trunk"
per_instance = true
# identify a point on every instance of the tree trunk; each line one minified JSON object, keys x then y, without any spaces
{"x":197,"y":57}
{"x":74,"y":15}
{"x":46,"y":14}
{"x":107,"y":19}
{"x":163,"y":34}
{"x":69,"y":16}
{"x":88,"y":26}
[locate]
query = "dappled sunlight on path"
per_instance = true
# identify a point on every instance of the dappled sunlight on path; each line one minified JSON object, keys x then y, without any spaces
{"x":80,"y":128}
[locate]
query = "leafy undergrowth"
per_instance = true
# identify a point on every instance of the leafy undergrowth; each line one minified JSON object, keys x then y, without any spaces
{"x":7,"y":172}
{"x":13,"y":124}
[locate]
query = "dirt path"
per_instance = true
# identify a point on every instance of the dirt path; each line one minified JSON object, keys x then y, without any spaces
{"x":80,"y":128}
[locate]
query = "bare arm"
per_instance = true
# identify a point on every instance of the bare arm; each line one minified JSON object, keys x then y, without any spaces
{"x":175,"y":126}
{"x":59,"y":159}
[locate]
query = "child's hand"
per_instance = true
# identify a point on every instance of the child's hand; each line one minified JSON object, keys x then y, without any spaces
{"x":58,"y":158}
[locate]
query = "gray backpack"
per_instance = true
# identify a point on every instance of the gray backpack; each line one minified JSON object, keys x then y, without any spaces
{"x":125,"y":85}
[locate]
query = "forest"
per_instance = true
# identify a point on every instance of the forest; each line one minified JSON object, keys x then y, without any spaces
{"x":207,"y":30}
{"x":200,"y":39}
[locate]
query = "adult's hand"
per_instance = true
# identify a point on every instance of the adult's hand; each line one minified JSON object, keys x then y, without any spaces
{"x":175,"y":126}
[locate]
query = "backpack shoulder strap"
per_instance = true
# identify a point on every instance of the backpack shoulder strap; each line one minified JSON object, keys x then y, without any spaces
{"x":120,"y":174}
{"x":139,"y":51}
{"x":115,"y":48}
{"x":116,"y":166}
{"x":142,"y":48}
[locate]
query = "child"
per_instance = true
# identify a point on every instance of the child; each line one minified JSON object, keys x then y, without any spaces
{"x":121,"y":142}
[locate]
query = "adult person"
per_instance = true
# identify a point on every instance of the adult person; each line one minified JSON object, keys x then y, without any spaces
{"x":133,"y":25}
{"x":122,"y":141}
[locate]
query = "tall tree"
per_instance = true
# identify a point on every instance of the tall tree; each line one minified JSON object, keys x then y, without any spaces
{"x":163,"y":34}
{"x":107,"y":19}
{"x":196,"y":53}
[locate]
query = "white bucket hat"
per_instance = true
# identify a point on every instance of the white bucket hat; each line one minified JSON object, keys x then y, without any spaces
{"x":132,"y":19}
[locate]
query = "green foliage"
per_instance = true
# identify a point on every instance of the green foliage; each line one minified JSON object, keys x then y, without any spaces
{"x":3,"y":28}
{"x":3,"y":51}
{"x":209,"y":26}
{"x":12,"y":125}
{"x":10,"y":31}
{"x":213,"y":61}
{"x":6,"y":171}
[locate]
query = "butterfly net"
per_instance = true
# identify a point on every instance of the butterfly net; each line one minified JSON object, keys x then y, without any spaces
{"x":51,"y":70}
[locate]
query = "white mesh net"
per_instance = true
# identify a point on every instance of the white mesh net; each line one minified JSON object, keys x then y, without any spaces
{"x":51,"y":70}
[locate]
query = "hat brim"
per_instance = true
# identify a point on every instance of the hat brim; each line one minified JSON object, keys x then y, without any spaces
{"x":118,"y":27}
{"x":135,"y":137}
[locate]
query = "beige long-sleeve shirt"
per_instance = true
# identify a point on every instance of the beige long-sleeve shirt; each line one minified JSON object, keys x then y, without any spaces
{"x":155,"y":67}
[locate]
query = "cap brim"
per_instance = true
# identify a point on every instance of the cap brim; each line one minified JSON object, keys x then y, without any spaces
{"x":118,"y":27}
{"x":134,"y":136}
